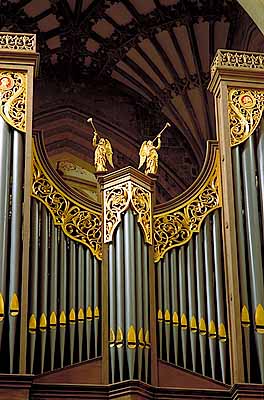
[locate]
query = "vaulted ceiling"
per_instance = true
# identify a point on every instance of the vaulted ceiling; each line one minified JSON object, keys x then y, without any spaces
{"x":153,"y":55}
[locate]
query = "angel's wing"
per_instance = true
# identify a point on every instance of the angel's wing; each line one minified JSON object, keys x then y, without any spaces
{"x":109,"y":152}
{"x":142,"y":154}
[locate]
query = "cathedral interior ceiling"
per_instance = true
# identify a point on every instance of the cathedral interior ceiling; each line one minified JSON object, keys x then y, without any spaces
{"x":132,"y":65}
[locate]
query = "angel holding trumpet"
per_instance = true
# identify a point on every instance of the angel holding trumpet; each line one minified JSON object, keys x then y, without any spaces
{"x":149,"y":153}
{"x":103,"y":151}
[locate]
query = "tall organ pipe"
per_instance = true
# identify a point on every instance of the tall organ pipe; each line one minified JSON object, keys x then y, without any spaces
{"x":96,"y":305}
{"x":44,"y":283}
{"x":63,"y":291}
{"x":80,"y":298}
{"x":166,"y":302}
{"x":120,"y":298}
{"x":174,"y":302}
{"x":112,"y":309}
{"x":260,"y":154}
{"x":255,"y":261}
{"x":33,"y":302}
{"x":237,"y":174}
{"x":15,"y":240}
{"x":160,"y":306}
{"x":72,"y":297}
{"x":219,"y":292}
{"x":183,"y":305}
{"x":201,"y":298}
{"x":5,"y":148}
{"x":192,"y":301}
{"x":88,"y":297}
{"x":53,"y":290}
{"x":139,"y":297}
{"x":146,"y":308}
{"x":210,"y":293}
{"x":130,"y":292}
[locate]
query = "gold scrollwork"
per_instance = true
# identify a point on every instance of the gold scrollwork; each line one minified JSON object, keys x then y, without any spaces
{"x":245,"y":109}
{"x":117,"y":201}
{"x":13,"y":93}
{"x":77,"y":222}
{"x":18,"y":42}
{"x":176,"y":227}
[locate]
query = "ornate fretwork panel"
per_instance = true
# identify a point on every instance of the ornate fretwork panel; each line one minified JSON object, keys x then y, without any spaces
{"x":117,"y":200}
{"x":77,"y":221}
{"x":18,"y":42}
{"x":13,"y":98}
{"x":176,"y":226}
{"x":245,"y":111}
{"x":237,"y":59}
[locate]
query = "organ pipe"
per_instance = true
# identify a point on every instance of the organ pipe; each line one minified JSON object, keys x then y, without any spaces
{"x":88,"y":296}
{"x":241,"y":239}
{"x":209,"y":278}
{"x":112,"y":309}
{"x":15,"y":239}
{"x":201,"y":298}
{"x":120,"y":299}
{"x":183,"y":303}
{"x":44,"y":283}
{"x":192,"y":301}
{"x":130,"y":292}
{"x":80,"y":280}
{"x":219,"y":292}
{"x":139,"y":297}
{"x":5,"y":149}
{"x":255,"y":261}
{"x":33,"y":294}
{"x":174,"y":302}
{"x":53,"y":291}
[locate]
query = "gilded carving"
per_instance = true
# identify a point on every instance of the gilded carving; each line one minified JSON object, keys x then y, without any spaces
{"x":245,"y":111}
{"x":176,"y":227}
{"x":77,"y":222}
{"x":18,"y":42}
{"x":117,"y":201}
{"x":13,"y":93}
{"x":237,"y":59}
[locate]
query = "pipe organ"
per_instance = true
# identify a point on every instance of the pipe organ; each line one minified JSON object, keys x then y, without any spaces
{"x":133,"y":287}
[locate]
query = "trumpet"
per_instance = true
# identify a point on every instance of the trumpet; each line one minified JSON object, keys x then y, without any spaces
{"x":167,"y":125}
{"x":90,"y":120}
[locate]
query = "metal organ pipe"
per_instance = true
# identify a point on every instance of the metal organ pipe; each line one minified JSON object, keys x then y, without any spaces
{"x":120,"y":300}
{"x":255,"y":260}
{"x":174,"y":302}
{"x":139,"y":297}
{"x":15,"y":238}
{"x":5,"y":148}
{"x":53,"y":290}
{"x":112,"y":309}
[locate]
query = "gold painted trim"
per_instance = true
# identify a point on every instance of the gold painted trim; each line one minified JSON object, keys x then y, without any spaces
{"x":43,"y":322}
{"x":131,"y":338}
{"x":259,"y":319}
{"x":141,"y":342}
{"x":176,"y":226}
{"x":96,"y":312}
{"x":193,"y":324}
{"x":222,"y":332}
{"x":175,"y":318}
{"x":13,"y":98}
{"x":63,"y":319}
{"x":160,"y":316}
{"x":245,"y":320}
{"x":14,"y":306}
{"x":245,"y":108}
{"x":72,"y":316}
{"x":147,"y":340}
{"x":111,"y":338}
{"x":202,"y":327}
{"x":77,"y":221}
{"x":167,"y":317}
{"x":32,"y":325}
{"x":81,"y":315}
{"x":212,"y":330}
{"x":89,"y":312}
{"x":184,"y":322}
{"x":53,"y":320}
{"x":119,"y":338}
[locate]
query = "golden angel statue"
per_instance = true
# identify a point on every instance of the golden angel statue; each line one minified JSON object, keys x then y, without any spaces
{"x":149,"y":153}
{"x":103,"y":151}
